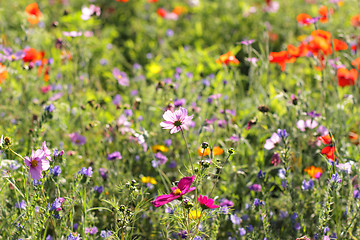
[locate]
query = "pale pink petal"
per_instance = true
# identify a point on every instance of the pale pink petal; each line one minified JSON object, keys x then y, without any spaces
{"x":275,"y":138}
{"x":169,"y":116}
{"x":269,"y":144}
{"x":175,"y":130}
{"x":311,"y":124}
{"x":167,"y":125}
{"x":45,"y":165}
{"x":301,"y":125}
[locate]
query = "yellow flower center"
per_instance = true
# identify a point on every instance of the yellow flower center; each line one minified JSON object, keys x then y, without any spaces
{"x":119,"y":76}
{"x":177,"y":191}
{"x":34,"y":163}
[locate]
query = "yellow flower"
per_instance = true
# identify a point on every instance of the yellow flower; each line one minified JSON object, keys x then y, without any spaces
{"x":161,"y":148}
{"x":149,"y":180}
{"x":194,"y":214}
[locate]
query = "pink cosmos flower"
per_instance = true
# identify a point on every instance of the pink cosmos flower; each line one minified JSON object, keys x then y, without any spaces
{"x":77,"y":138}
{"x":47,"y":151}
{"x":176,"y":120}
{"x":206,"y":202}
{"x":182,"y":188}
{"x":37,"y":163}
{"x":270,"y":143}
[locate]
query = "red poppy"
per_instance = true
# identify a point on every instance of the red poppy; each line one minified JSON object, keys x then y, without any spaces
{"x":34,"y":13}
{"x":31,"y":55}
{"x":329,"y":150}
{"x":161,"y":12}
{"x":122,"y":0}
{"x":303,"y":19}
{"x":228,"y":58}
{"x":281,"y":58}
{"x":355,"y":20}
{"x":346,"y":77}
{"x":354,"y":138}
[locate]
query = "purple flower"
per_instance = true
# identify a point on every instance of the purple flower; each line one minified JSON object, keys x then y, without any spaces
{"x":162,"y":158}
{"x":21,"y":204}
{"x":235,"y":219}
{"x":179,"y":102}
{"x":86,"y":171}
{"x":91,"y":231}
{"x":50,"y":108}
{"x":10,"y":56}
{"x":169,"y":33}
{"x":121,"y":77}
{"x":282,"y":133}
{"x":103,"y":173}
{"x":56,"y":205}
{"x":356,"y":194}
{"x":105,"y":234}
{"x":297,"y":226}
{"x":247,"y":42}
{"x":73,"y":236}
{"x":225,"y":202}
{"x":77,"y":138}
{"x":176,"y":121}
{"x":307,"y":185}
{"x":117,"y":99}
{"x":242,"y":231}
{"x":55,"y":171}
{"x":313,"y":114}
{"x":258,"y":202}
{"x":261,"y":174}
{"x":346,"y":167}
{"x":335,"y":178}
{"x":284,"y":214}
{"x":128,"y":112}
{"x":183,"y":234}
{"x":99,"y":189}
{"x":114,"y":155}
{"x":255,"y":188}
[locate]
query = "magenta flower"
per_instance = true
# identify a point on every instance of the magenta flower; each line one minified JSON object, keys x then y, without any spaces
{"x":37,"y":163}
{"x":47,"y":151}
{"x":182,"y":188}
{"x":114,"y":155}
{"x":176,"y":120}
{"x":121,"y":77}
{"x":206,"y":202}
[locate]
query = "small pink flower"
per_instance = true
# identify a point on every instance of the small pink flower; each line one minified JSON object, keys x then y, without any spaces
{"x":182,"y":188}
{"x":176,"y":120}
{"x":47,"y":151}
{"x":270,"y":143}
{"x":309,"y":123}
{"x":206,"y":202}
{"x":37,"y":163}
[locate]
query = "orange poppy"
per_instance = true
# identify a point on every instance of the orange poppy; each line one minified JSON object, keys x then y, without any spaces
{"x":339,"y":45}
{"x":178,"y":10}
{"x":206,"y":152}
{"x":356,"y":63}
{"x":296,"y":52}
{"x":354,"y":138}
{"x":346,"y":77}
{"x":34,"y":13}
{"x":3,"y":73}
{"x":355,"y":20}
{"x":228,"y":58}
{"x":314,"y":172}
{"x":324,"y":13}
{"x":329,"y":150}
{"x":303,"y":18}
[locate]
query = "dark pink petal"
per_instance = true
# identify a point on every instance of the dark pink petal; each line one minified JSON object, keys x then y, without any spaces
{"x":164,"y":199}
{"x":213,"y":206}
{"x":210,"y":202}
{"x":188,"y":190}
{"x":185,"y":183}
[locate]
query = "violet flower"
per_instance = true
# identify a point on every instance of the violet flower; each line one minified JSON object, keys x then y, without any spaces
{"x":77,"y":138}
{"x":121,"y":77}
{"x":114,"y":155}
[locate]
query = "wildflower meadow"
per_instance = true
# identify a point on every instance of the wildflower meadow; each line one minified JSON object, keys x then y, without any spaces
{"x":169,"y":119}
